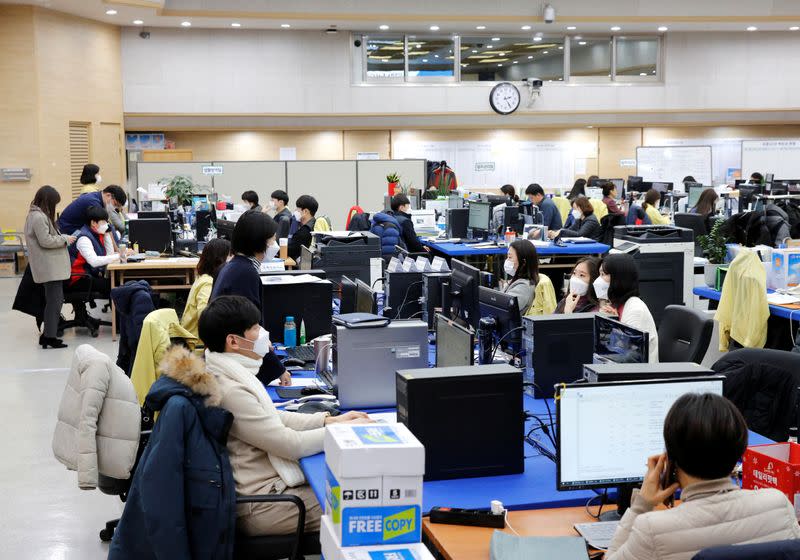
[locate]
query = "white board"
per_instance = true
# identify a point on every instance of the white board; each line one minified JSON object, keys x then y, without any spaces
{"x":372,"y":184}
{"x":264,"y":177}
{"x":780,"y":157}
{"x":670,"y":164}
{"x":332,"y":183}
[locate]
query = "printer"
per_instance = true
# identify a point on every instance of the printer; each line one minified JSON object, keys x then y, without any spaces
{"x":346,"y":253}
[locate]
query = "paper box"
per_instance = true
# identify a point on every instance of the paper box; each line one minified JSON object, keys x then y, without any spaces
{"x":785,"y":271}
{"x":774,"y":465}
{"x":332,"y":548}
{"x":361,"y":451}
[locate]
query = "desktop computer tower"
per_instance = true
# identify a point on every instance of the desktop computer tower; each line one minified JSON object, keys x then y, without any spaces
{"x":470,"y":419}
{"x":598,"y":373}
{"x":402,"y":293}
{"x":556,"y":348}
{"x":202,"y":223}
{"x":432,"y":295}
{"x":346,"y":254}
{"x":307,"y":302}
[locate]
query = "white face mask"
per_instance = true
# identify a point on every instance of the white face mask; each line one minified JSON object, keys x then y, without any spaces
{"x":272,"y":205}
{"x":509,"y":267}
{"x":601,"y":288}
{"x":98,"y":179}
{"x":298,"y":215}
{"x":102,"y":227}
{"x":272,"y":250}
{"x":576,"y":214}
{"x":260,"y":346}
{"x":578,"y":286}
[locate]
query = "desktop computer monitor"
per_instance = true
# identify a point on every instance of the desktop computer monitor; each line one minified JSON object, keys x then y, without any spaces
{"x":597,"y":423}
{"x":151,"y":234}
{"x":498,"y":199}
{"x":596,"y":182}
{"x":513,"y":220}
{"x":347,"y":296}
{"x":151,"y":215}
{"x":634,"y":183}
{"x":457,"y":221}
{"x":619,"y":184}
{"x":503,"y":308}
{"x":480,"y":213}
{"x":778,"y":189}
{"x":694,"y":190}
{"x":455,"y":345}
{"x":365,"y":298}
{"x":225,"y":229}
{"x":748,"y":194}
{"x":619,"y":343}
{"x":464,"y":284}
{"x":662,"y":187}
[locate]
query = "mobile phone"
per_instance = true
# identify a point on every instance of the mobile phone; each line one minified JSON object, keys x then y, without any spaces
{"x":668,"y":478}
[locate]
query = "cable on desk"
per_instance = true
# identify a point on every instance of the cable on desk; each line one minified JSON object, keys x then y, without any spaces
{"x":405,"y":298}
{"x":603,"y":500}
{"x":544,"y":427}
{"x":381,"y":279}
{"x":509,"y":524}
{"x":497,"y":347}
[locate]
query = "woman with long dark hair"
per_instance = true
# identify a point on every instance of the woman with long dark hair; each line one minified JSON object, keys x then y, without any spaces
{"x":580,"y":297}
{"x":48,"y":259}
{"x":215,"y":254}
{"x":706,"y":204}
{"x":522,"y":266}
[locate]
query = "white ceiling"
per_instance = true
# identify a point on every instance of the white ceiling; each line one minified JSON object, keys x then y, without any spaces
{"x":451,"y":16}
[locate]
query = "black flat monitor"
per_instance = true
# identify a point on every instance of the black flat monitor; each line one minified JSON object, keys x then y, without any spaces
{"x":151,"y":215}
{"x":696,"y":223}
{"x":457,"y":221}
{"x":347,"y":296}
{"x":225,"y":229}
{"x":480,"y":214}
{"x":366,"y":302}
{"x":597,"y":423}
{"x":512,"y":219}
{"x":661,"y":187}
{"x":464,"y":284}
{"x":504,"y":310}
{"x":778,"y":189}
{"x":635,"y":183}
{"x":596,"y":182}
{"x":455,"y":345}
{"x":748,"y":194}
{"x":619,"y":343}
{"x":151,"y":234}
{"x":694,"y":190}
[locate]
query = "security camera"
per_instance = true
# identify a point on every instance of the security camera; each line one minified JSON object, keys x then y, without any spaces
{"x":357,"y":42}
{"x":549,"y":13}
{"x":144,"y":34}
{"x":534,"y":89}
{"x":535,"y":83}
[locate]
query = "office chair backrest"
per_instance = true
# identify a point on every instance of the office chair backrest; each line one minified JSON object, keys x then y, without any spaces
{"x":776,"y":550}
{"x":607,"y":225}
{"x":696,"y":223}
{"x":684,"y":334}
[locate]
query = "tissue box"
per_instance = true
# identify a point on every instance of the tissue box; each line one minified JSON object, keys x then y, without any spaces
{"x":332,"y":548}
{"x":774,"y":465}
{"x":785,"y":271}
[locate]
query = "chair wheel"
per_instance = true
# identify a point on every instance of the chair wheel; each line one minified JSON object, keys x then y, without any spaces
{"x":106,"y":535}
{"x":94,"y":333}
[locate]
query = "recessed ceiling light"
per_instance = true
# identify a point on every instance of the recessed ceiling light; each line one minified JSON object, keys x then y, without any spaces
{"x":234,"y":24}
{"x":581,"y":43}
{"x":794,"y":28}
{"x":515,"y":62}
{"x":537,"y":39}
{"x":474,"y":50}
{"x":561,"y":48}
{"x":436,"y":56}
{"x":530,"y":57}
{"x":616,"y":28}
{"x":589,"y":126}
{"x":434,"y":28}
{"x":571,"y":28}
{"x":545,"y":52}
{"x":499,"y":64}
{"x":663,"y":28}
{"x":526,"y":27}
{"x":643,"y":73}
{"x":495,"y":38}
{"x":186,"y":24}
{"x":111,"y":12}
{"x":489,"y":46}
{"x":578,"y":37}
{"x":480,"y":27}
{"x":286,"y":25}
{"x":138,"y":22}
{"x":424,"y":60}
{"x":383,"y":27}
{"x":752,"y":28}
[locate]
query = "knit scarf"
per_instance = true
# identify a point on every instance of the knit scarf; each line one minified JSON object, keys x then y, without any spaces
{"x":243,"y":370}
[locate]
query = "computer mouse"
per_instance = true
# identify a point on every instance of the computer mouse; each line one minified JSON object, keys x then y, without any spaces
{"x":288,"y":362}
{"x":319,"y":406}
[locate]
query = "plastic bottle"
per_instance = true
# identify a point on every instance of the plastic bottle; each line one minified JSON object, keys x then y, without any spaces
{"x":302,"y":332}
{"x":289,"y":332}
{"x":511,"y":236}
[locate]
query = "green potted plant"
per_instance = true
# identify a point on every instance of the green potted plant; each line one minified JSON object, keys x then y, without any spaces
{"x":715,"y":249}
{"x":393,"y":179}
{"x":180,"y":188}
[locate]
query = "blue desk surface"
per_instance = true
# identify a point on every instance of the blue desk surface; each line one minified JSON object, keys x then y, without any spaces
{"x":462,"y":250}
{"x":776,"y":310}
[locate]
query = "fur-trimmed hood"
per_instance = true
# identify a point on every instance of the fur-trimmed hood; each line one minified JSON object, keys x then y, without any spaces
{"x":190,"y":370}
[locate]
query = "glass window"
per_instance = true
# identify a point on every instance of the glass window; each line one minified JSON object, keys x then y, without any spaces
{"x":385,"y":60}
{"x":430,"y":57}
{"x":637,"y":56}
{"x":590,"y":57}
{"x":511,"y":59}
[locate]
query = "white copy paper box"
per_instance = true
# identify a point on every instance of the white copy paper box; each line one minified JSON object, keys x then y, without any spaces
{"x":362,"y":451}
{"x":332,"y":549}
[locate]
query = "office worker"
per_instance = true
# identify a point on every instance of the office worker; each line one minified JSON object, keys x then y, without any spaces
{"x":756,"y":178}
{"x":90,"y":178}
{"x":303,"y":216}
{"x":617,"y":287}
{"x":92,"y":252}
{"x":650,"y":205}
{"x":551,"y":217}
{"x":283,"y":216}
{"x":578,"y":189}
{"x":522,"y":268}
{"x":610,"y":196}
{"x":215,"y":255}
{"x":401,"y":210}
{"x":250,"y":199}
{"x":48,"y":259}
{"x":584,"y":222}
{"x":253,"y":242}
{"x":704,"y":436}
{"x":510,"y":192}
{"x":689,"y":179}
{"x":264,"y":444}
{"x":706,"y":203}
{"x":580,"y":296}
{"x":73,"y":217}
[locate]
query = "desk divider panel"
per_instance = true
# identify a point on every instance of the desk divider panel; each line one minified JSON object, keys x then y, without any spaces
{"x":332,"y":183}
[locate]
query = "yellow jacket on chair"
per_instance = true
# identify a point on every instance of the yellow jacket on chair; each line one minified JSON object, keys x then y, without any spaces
{"x":743,"y":309}
{"x":564,"y":206}
{"x":544,"y":298}
{"x":197,"y":302}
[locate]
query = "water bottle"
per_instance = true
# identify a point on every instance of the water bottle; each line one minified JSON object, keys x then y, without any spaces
{"x":289,"y":332}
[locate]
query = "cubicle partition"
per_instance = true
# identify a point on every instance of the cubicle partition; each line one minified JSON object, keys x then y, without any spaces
{"x":264,"y":177}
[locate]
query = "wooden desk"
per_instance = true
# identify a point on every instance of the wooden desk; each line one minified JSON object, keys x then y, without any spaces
{"x":165,"y":275}
{"x":456,"y":542}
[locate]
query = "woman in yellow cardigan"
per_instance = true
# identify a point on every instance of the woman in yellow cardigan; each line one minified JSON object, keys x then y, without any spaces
{"x":651,"y":199}
{"x":215,"y":255}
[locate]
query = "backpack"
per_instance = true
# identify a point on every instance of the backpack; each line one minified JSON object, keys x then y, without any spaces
{"x":387,"y":228}
{"x":769,"y":226}
{"x":359,"y":222}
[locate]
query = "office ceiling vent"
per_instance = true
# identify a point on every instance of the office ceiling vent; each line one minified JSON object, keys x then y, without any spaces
{"x":78,"y":154}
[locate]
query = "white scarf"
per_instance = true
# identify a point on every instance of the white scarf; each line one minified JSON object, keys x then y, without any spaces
{"x":243,"y":370}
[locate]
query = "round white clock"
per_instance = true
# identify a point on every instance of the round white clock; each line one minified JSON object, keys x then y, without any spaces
{"x":504,"y":98}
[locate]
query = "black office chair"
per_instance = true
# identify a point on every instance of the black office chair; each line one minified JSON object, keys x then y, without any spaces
{"x":696,"y":223}
{"x":776,"y":550}
{"x":293,"y":546}
{"x":607,"y":225}
{"x":684,"y":334}
{"x":79,"y":299}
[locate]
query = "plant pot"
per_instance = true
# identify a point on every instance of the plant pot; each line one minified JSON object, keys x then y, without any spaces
{"x":392,"y":188}
{"x":710,"y":274}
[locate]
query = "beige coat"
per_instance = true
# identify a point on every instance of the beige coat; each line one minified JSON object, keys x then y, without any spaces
{"x":261,"y":434}
{"x":47,"y":249}
{"x":98,"y":419}
{"x":713,"y":513}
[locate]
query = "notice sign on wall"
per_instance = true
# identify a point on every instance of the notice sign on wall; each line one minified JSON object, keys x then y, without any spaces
{"x":484,"y":166}
{"x":212,"y":170}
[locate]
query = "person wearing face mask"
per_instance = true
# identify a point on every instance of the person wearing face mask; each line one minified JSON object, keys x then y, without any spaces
{"x":282,"y":215}
{"x":264,"y":444}
{"x":250,"y":198}
{"x":303,"y":224}
{"x":401,"y":210}
{"x":584,"y":222}
{"x":522,"y":267}
{"x":73,"y":217}
{"x":91,"y":253}
{"x":617,"y":288}
{"x":90,"y":178}
{"x":253,"y":242}
{"x":581,"y":297}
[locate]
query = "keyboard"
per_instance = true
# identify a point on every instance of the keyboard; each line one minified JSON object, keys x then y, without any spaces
{"x":305,"y":353}
{"x":599,"y":534}
{"x":326,"y":379}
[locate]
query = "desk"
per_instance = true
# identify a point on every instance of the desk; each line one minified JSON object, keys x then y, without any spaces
{"x":179,"y":274}
{"x":775,"y":310}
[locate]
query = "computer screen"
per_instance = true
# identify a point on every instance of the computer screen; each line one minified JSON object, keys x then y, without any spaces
{"x":619,"y":343}
{"x":151,"y":234}
{"x":365,"y":299}
{"x":455,"y":345}
{"x":347,"y":296}
{"x":504,"y":309}
{"x":606,"y":431}
{"x":695,"y":190}
{"x":661,"y":187}
{"x":479,"y":215}
{"x":619,"y":184}
{"x":225,"y":229}
{"x":464,"y":284}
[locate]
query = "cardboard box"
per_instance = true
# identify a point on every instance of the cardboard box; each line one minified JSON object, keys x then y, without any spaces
{"x":361,"y":451}
{"x":332,"y":548}
{"x":785,"y":271}
{"x":773,"y":465}
{"x":7,"y":268}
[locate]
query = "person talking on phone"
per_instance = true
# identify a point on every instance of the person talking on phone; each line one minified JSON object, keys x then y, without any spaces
{"x":704,"y":435}
{"x":581,"y":297}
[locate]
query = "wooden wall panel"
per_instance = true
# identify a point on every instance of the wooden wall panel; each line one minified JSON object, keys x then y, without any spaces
{"x":614,"y":145}
{"x":167,"y":155}
{"x":367,"y":141}
{"x":245,"y":145}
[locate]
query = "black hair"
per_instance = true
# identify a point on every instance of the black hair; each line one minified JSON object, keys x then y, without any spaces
{"x":46,"y":199}
{"x":280,"y":195}
{"x":689,"y":179}
{"x":578,"y":189}
{"x":705,"y":435}
{"x":707,"y":202}
{"x":117,"y":194}
{"x":88,"y":174}
{"x":399,"y":200}
{"x":251,"y":233}
{"x":226,"y":315}
{"x":527,"y":261}
{"x":593,"y":264}
{"x":214,"y":256}
{"x":95,"y":214}
{"x":534,"y":189}
{"x":757,"y":176}
{"x":608,"y":187}
{"x":510,"y":191}
{"x":250,"y":196}
{"x":584,"y":205}
{"x":624,"y":277}
{"x":308,"y":202}
{"x":651,"y":198}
